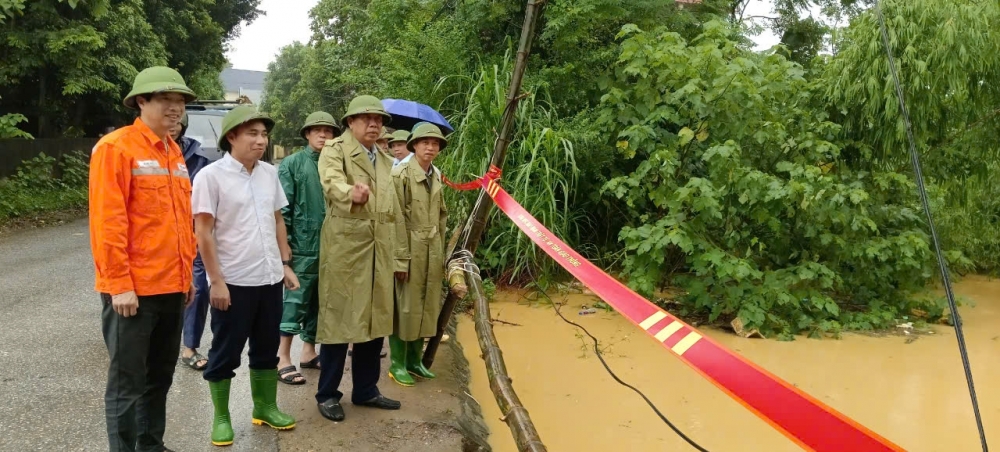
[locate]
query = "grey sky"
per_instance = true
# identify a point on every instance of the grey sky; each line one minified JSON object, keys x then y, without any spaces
{"x":287,"y":21}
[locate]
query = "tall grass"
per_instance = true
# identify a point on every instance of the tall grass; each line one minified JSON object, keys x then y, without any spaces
{"x":540,"y":172}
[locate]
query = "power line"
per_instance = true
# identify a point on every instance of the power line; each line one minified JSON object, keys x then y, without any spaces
{"x":942,"y":265}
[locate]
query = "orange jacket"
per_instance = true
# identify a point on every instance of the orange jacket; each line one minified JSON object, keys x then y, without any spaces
{"x":140,"y":214}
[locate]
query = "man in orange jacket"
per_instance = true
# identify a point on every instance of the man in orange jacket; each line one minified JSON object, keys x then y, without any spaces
{"x":143,"y":244}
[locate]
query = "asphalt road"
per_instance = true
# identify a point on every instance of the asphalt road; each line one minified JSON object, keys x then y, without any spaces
{"x":53,"y":366}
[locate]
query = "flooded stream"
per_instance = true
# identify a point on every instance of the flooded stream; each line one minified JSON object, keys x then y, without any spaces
{"x":912,"y":392}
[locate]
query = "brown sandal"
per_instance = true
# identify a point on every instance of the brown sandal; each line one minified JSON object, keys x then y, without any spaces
{"x":288,"y":374}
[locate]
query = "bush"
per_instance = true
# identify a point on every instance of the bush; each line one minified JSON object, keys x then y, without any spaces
{"x":35,"y":189}
{"x":738,"y":195}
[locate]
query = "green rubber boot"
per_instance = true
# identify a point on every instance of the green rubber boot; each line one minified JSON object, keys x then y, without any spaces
{"x":222,"y":427}
{"x":414,"y":359}
{"x":264,"y":391}
{"x":397,"y":355}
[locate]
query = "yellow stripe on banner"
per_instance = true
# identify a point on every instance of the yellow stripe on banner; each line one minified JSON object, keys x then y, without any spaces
{"x":668,"y":331}
{"x":651,"y":320}
{"x":686,"y":343}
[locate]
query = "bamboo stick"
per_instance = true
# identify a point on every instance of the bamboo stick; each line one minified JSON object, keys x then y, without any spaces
{"x":514,"y":413}
{"x":476,"y":223}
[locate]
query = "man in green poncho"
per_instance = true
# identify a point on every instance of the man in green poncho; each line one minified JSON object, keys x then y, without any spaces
{"x":299,"y":175}
{"x":362,"y":245}
{"x":418,"y":299}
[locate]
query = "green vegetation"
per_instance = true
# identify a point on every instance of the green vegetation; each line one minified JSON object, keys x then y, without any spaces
{"x":67,"y":63}
{"x":35,"y":189}
{"x":773,"y":186}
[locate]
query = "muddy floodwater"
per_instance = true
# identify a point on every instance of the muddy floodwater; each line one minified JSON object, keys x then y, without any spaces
{"x":912,"y":392}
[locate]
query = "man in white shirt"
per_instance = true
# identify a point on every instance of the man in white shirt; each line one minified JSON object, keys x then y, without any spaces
{"x":237,"y":203}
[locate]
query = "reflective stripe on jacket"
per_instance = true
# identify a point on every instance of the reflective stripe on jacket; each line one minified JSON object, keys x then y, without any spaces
{"x":140,"y":214}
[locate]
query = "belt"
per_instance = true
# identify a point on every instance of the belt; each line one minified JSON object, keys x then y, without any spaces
{"x":423,"y":232}
{"x":423,"y":229}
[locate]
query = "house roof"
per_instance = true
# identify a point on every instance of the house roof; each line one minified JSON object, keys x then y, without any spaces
{"x":234,"y":79}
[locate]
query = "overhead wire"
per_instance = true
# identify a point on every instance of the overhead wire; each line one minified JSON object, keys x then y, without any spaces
{"x":463,"y":259}
{"x":600,"y":356}
{"x":942,"y":264}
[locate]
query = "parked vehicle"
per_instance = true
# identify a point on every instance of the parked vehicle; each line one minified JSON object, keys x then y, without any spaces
{"x":205,"y":123}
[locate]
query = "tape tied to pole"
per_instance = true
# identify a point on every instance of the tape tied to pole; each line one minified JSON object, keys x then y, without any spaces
{"x":808,"y":422}
{"x":493,"y":173}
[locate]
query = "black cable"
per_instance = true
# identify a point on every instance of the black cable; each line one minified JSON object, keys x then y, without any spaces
{"x":942,"y":265}
{"x":619,"y":380}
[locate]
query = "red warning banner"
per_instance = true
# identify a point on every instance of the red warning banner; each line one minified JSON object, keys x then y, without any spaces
{"x":808,"y":422}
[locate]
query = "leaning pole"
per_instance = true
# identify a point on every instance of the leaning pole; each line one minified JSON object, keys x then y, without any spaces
{"x":462,"y":249}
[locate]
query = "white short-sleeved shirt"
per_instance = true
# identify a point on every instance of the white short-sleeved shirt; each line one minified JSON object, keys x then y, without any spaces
{"x":243,"y":205}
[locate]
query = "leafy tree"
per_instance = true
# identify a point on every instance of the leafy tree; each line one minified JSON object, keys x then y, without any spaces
{"x":9,"y":129}
{"x":198,"y":31}
{"x":769,"y":186}
{"x":69,"y":62}
{"x":947,"y":55}
{"x":290,"y":94}
{"x":51,"y":55}
{"x":738,"y":197}
{"x":9,"y":8}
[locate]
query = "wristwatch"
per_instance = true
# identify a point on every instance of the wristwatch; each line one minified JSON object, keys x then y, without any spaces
{"x":288,"y":262}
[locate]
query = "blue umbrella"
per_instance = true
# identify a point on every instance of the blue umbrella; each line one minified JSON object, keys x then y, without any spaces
{"x":406,"y":114}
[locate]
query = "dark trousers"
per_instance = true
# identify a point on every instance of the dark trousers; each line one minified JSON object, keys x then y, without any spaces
{"x":143,"y":354}
{"x":254,"y":314}
{"x":196,"y":313}
{"x":366,"y":367}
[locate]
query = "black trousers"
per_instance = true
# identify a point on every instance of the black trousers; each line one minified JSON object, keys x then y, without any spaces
{"x":366,"y":367}
{"x":254,"y":314}
{"x":143,"y":354}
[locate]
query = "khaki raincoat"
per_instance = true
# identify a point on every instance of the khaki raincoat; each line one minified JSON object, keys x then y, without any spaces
{"x":418,"y":300}
{"x":359,"y":249}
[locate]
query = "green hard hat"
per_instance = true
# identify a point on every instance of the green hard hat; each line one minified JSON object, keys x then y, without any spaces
{"x":239,"y":116}
{"x":399,"y":135}
{"x":158,"y":79}
{"x":319,"y":118}
{"x":365,"y":104}
{"x":426,"y":130}
{"x":385,"y":135}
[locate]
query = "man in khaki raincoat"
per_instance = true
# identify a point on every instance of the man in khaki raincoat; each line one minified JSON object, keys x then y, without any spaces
{"x":383,"y":141}
{"x":418,"y":300}
{"x":361,"y":247}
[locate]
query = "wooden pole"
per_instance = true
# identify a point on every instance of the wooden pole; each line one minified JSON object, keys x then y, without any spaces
{"x":474,"y":226}
{"x":474,"y":231}
{"x":514,"y":413}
